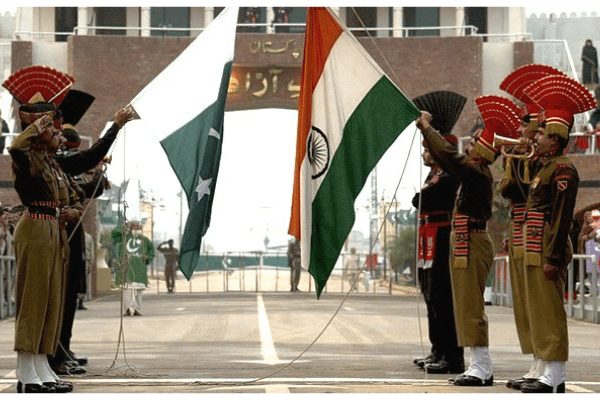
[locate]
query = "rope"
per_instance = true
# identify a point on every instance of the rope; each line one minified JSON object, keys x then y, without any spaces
{"x":336,"y":312}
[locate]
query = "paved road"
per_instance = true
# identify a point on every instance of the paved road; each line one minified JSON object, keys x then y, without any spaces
{"x":222,"y":342}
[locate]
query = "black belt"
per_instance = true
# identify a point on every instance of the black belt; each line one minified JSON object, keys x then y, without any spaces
{"x":44,"y":210}
{"x":426,"y":219}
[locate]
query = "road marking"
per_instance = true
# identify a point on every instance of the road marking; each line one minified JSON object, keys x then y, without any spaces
{"x":271,"y":381}
{"x":180,"y":308}
{"x":578,"y":389}
{"x":267,"y":347}
{"x":276,"y":389}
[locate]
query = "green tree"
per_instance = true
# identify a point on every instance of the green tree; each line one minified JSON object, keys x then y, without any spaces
{"x":402,"y":248}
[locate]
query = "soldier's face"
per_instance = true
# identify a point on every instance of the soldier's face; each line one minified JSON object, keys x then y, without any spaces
{"x":56,"y":140}
{"x":544,"y":142}
{"x":427,"y":159}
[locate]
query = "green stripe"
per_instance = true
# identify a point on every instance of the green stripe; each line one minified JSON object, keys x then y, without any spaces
{"x":371,"y":129}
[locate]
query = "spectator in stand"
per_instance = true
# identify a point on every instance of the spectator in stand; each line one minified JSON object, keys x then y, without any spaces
{"x":589,"y":59}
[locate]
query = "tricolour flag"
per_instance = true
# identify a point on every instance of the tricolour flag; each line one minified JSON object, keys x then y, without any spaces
{"x":349,"y":114}
{"x":184,"y":107}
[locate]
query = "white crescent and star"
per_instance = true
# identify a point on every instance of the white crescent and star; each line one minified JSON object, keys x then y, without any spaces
{"x":136,"y":242}
{"x":203,"y":188}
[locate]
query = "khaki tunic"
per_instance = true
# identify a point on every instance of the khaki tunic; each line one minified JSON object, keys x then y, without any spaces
{"x":552,"y":192}
{"x":469,"y":276}
{"x":41,"y":247}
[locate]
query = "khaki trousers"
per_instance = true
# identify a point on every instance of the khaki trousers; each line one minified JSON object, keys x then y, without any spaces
{"x":468,"y":285}
{"x":517,"y":283}
{"x":548,"y":319}
{"x":41,"y":253}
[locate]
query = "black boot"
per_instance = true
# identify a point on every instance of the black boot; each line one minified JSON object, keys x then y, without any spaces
{"x":34,"y":388}
{"x":446,"y":367}
{"x":540,"y":387}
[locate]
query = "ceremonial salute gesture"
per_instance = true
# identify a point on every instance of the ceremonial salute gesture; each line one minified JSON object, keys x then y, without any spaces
{"x":41,"y":243}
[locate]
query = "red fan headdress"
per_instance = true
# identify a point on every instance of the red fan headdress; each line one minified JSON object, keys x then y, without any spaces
{"x":499,"y":117}
{"x":519,"y":79}
{"x":39,"y":90}
{"x":561,"y":98}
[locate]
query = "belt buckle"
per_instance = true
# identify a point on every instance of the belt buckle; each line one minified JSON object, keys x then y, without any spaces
{"x":57,"y":212}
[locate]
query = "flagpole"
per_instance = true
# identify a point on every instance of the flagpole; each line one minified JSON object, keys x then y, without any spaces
{"x":180,"y":215}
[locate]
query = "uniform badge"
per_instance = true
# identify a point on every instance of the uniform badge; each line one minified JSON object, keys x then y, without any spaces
{"x":535,"y":183}
{"x":562,"y":185}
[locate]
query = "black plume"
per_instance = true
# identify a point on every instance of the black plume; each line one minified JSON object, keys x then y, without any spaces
{"x":75,"y":105}
{"x":444,"y":106}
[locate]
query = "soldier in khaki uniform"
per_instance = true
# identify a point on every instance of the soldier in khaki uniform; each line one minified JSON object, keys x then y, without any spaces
{"x":550,"y":205}
{"x":41,"y":243}
{"x":472,"y":252}
{"x":515,"y":187}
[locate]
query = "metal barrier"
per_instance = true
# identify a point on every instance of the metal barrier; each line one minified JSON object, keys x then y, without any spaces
{"x":266,"y":272}
{"x":578,"y":303}
{"x":8,"y":271}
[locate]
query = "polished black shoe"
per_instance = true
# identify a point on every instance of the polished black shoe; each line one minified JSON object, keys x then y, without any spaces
{"x":540,"y":387}
{"x":80,"y":360}
{"x":516,"y":383}
{"x":468,"y":380}
{"x":68,"y":368}
{"x":34,"y":388}
{"x":60,"y":386}
{"x":420,"y":362}
{"x":136,"y":312}
{"x":127,"y":312}
{"x":443,"y":367}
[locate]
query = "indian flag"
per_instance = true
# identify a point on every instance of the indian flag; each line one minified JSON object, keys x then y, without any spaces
{"x":349,"y":114}
{"x":184,"y":108}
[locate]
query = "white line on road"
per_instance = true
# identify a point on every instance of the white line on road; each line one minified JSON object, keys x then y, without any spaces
{"x":275,"y":381}
{"x":266,"y":339}
{"x":578,"y":389}
{"x":266,"y":342}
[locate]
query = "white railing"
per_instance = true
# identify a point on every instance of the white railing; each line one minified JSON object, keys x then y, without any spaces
{"x":249,"y":272}
{"x":8,"y":271}
{"x":464,"y":30}
{"x":578,"y":303}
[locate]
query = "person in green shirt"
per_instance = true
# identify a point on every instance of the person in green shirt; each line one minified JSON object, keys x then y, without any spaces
{"x":134,"y":253}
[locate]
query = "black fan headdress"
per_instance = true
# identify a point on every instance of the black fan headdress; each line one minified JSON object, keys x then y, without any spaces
{"x":444,"y":106}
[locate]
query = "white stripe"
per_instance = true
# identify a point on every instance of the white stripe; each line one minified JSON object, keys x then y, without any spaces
{"x":348,"y":75}
{"x":277,"y":389}
{"x":312,"y":381}
{"x":191,"y":82}
{"x":267,"y":346}
{"x":578,"y":389}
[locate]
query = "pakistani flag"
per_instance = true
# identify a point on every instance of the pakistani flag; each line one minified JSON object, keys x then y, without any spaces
{"x":184,"y":108}
{"x":349,"y":114}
